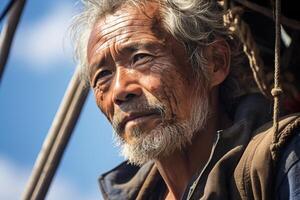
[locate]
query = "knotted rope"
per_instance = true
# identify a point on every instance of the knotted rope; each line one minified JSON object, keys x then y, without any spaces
{"x":236,"y":25}
{"x":276,"y":91}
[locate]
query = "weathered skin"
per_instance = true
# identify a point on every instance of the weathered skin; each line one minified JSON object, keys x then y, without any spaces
{"x":132,"y":63}
{"x":140,"y":62}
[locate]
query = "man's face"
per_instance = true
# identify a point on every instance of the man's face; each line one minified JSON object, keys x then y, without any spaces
{"x":140,"y":75}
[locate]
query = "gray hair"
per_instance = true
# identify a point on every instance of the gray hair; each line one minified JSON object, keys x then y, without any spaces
{"x":195,"y":23}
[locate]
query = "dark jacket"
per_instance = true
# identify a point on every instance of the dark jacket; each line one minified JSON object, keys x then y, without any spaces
{"x":240,"y":165}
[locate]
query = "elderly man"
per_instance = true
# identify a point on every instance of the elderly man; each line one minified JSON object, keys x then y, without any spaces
{"x":164,"y":73}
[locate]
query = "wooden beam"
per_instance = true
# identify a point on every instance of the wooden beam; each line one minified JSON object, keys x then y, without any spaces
{"x":57,"y":139}
{"x":8,"y":32}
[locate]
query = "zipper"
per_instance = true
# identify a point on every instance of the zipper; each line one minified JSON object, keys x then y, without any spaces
{"x":196,"y":182}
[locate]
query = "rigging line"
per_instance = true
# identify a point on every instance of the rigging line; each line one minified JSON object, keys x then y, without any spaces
{"x":289,"y":22}
{"x":6,"y":9}
{"x":276,"y":91}
{"x":8,"y":31}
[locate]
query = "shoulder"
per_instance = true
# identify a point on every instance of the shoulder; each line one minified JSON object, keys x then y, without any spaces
{"x":263,"y":137}
{"x":288,"y":171}
{"x":255,"y":171}
{"x":262,"y":149}
{"x":124,"y":181}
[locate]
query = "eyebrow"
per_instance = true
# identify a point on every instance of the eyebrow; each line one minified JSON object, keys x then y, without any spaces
{"x":130,"y":47}
{"x":133,"y":47}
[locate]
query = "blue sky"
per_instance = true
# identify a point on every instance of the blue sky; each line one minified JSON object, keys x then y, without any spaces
{"x":35,"y":79}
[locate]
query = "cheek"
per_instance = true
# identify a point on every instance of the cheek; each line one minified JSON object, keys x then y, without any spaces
{"x":99,"y":98}
{"x":166,"y":84}
{"x":102,"y":101}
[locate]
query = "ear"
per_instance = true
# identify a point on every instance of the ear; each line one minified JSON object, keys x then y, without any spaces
{"x":218,"y":61}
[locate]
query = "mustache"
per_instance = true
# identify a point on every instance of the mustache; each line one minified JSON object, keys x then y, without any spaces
{"x":136,"y":108}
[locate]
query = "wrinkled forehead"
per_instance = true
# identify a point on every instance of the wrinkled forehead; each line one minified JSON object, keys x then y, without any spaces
{"x":125,"y":20}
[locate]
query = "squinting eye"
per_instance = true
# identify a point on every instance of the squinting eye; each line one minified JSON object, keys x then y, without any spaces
{"x":103,"y":73}
{"x":139,"y":56}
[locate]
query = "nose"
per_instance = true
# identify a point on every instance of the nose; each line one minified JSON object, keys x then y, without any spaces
{"x":126,"y":87}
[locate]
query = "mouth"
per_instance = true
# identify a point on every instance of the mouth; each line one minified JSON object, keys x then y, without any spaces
{"x":135,"y":118}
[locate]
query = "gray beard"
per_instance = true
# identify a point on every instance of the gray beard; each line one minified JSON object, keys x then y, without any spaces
{"x":165,"y":138}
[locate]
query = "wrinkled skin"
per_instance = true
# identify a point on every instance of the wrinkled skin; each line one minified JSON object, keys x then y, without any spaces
{"x":142,"y":79}
{"x":132,"y":64}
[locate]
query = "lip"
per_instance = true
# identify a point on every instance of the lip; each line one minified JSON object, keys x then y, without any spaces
{"x":136,"y":117}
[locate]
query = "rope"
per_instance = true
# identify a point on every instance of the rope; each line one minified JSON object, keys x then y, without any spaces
{"x":285,"y":136}
{"x":236,"y":25}
{"x":276,"y":91}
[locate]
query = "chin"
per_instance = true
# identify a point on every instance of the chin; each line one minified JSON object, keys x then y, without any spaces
{"x":136,"y":133}
{"x":157,"y":140}
{"x":157,"y":143}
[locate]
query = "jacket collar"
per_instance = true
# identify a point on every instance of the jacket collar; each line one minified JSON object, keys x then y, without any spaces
{"x":126,"y":180}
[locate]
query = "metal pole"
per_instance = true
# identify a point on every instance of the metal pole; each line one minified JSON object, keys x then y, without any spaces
{"x":57,"y":139}
{"x":8,"y":31}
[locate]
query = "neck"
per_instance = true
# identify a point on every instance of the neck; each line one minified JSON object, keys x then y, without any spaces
{"x":178,"y":168}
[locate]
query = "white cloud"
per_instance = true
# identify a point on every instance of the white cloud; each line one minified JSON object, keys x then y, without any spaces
{"x":13,"y":179}
{"x":43,"y":44}
{"x":62,"y":189}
